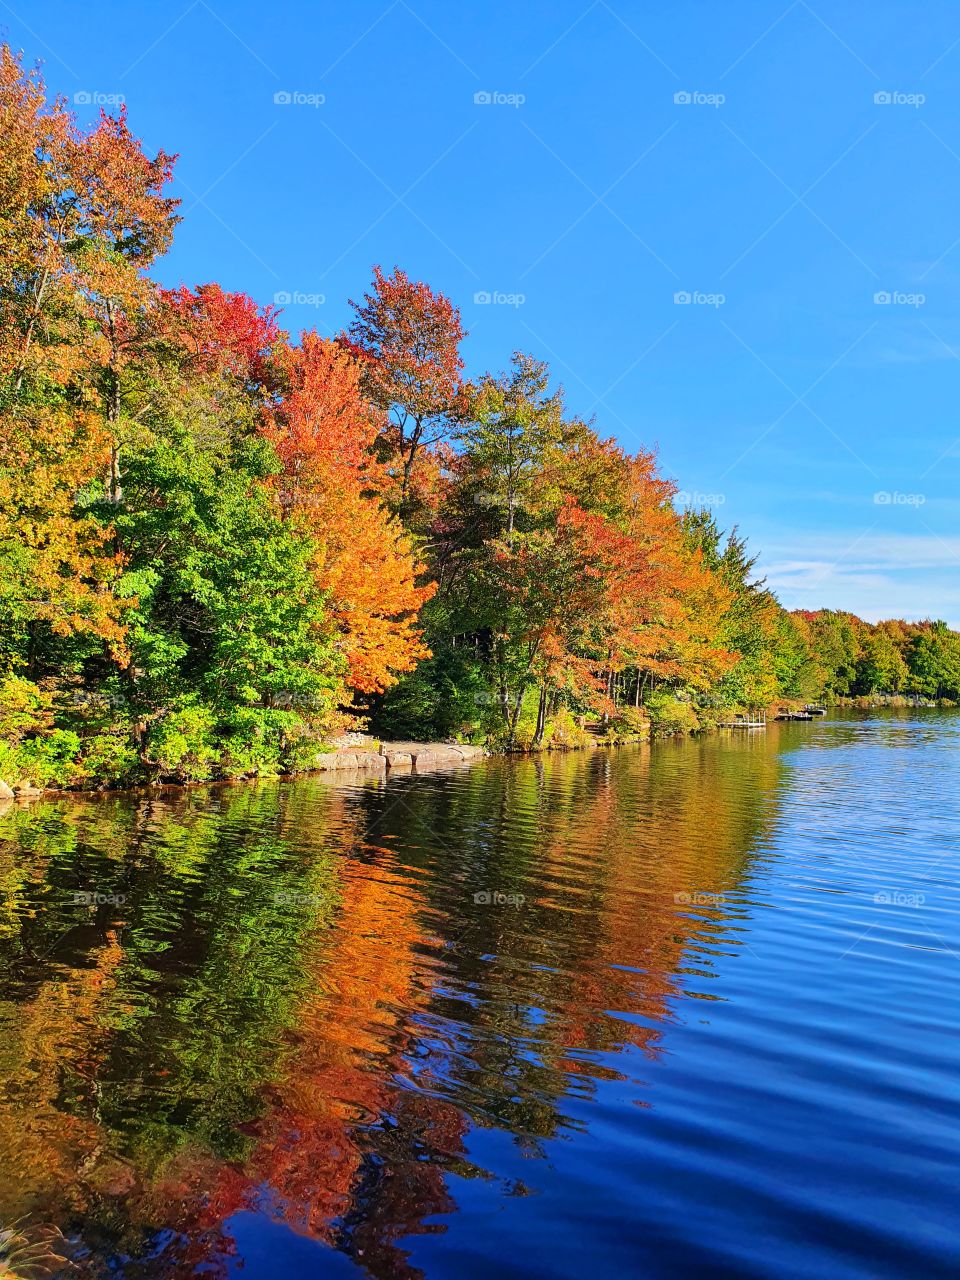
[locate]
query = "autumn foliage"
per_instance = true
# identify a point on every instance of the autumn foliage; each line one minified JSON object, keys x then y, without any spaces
{"x":219,"y":541}
{"x":323,"y":431}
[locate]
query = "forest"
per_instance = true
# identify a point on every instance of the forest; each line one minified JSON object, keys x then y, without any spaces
{"x":222,"y":545}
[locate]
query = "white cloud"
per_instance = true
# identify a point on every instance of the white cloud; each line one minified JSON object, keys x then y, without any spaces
{"x":877,"y":576}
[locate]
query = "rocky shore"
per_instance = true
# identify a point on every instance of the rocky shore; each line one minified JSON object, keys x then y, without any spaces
{"x":398,"y":757}
{"x":353,"y":753}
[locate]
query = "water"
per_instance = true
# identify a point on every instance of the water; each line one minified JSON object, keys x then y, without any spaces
{"x":705,"y":1026}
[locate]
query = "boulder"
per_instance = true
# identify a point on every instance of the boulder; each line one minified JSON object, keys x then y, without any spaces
{"x":350,"y":760}
{"x":398,"y":759}
{"x":6,"y":792}
{"x":428,"y":755}
{"x":425,"y":759}
{"x":437,"y":756}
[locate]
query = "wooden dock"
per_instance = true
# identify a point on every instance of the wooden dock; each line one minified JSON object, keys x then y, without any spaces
{"x":753,"y":719}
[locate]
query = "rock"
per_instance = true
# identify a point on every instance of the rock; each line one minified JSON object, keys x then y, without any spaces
{"x":369,"y":760}
{"x":350,"y":760}
{"x":354,"y":741}
{"x":435,"y":757}
{"x":398,"y":759}
{"x":6,"y":792}
{"x":424,"y":756}
{"x":28,"y":790}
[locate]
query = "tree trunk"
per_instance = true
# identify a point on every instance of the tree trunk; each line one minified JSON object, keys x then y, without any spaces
{"x":541,"y":717}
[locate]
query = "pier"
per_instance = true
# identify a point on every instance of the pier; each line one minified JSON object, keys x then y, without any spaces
{"x":755,"y":718}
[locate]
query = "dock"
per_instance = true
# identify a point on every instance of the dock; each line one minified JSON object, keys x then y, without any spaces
{"x":753,"y":719}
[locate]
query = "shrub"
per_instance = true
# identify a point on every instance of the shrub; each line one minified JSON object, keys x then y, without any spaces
{"x":564,"y":730}
{"x":629,"y":724}
{"x":668,"y":715}
{"x":110,"y":758}
{"x":181,"y":745}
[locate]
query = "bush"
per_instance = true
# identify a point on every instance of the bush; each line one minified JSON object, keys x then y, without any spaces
{"x":668,"y":715}
{"x":24,"y":709}
{"x":181,"y":746}
{"x":445,"y":697}
{"x":53,"y":759}
{"x":265,"y":740}
{"x":563,"y":730}
{"x":110,"y":758}
{"x":629,"y":724}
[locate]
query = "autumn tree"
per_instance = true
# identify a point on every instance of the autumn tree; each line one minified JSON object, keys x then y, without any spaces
{"x":83,"y":215}
{"x":323,"y":430}
{"x":407,"y":338}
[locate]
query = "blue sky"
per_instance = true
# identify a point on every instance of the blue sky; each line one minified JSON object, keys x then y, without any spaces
{"x":625,"y":153}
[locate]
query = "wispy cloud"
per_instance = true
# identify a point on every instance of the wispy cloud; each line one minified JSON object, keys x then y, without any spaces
{"x":916,"y":350}
{"x":913,"y":576}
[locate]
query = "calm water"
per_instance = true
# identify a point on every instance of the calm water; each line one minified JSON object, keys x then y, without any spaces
{"x":706,"y":1025}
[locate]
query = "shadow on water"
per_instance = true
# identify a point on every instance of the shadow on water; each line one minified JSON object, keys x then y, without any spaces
{"x":300,"y":1025}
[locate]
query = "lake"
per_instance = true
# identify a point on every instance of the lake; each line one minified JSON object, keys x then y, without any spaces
{"x":679,"y":1010}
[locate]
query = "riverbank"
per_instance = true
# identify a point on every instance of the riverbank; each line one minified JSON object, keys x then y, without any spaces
{"x":869,"y":700}
{"x":392,"y":757}
{"x":352,"y":754}
{"x":362,"y":753}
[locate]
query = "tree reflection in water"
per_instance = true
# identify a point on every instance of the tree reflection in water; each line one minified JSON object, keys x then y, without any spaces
{"x":285,"y":1000}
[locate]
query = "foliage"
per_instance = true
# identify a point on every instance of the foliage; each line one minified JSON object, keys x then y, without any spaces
{"x":407,"y":338}
{"x":219,"y":545}
{"x":853,"y":658}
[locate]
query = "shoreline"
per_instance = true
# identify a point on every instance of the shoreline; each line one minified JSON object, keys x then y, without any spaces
{"x":371,"y":759}
{"x":388,"y":758}
{"x":391,"y":759}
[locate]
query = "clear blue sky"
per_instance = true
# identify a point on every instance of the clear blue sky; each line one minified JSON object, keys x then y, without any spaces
{"x":797,"y":197}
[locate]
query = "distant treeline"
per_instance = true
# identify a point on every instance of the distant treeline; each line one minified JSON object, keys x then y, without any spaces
{"x":219,"y":545}
{"x":853,"y":658}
